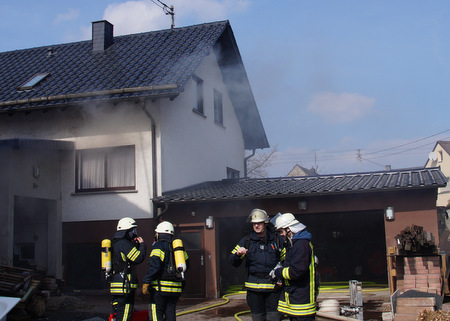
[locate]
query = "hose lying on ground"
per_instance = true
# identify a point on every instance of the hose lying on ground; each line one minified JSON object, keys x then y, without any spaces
{"x":328,"y":287}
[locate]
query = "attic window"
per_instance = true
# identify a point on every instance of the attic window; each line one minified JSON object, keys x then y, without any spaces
{"x":33,"y":81}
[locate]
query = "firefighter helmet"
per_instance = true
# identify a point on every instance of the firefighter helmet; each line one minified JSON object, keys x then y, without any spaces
{"x":258,"y":216}
{"x":285,"y":220}
{"x":126,"y":223}
{"x":165,"y":227}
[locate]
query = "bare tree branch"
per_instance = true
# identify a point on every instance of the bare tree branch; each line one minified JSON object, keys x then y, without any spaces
{"x":257,"y":165}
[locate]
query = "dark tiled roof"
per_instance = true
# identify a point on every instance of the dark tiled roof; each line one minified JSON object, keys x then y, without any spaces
{"x":445,"y":145}
{"x":302,"y":186}
{"x":152,"y":64}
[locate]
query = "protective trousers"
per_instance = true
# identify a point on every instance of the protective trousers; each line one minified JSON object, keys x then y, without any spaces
{"x":123,"y":305}
{"x":305,"y":318}
{"x":162,"y":307}
{"x":263,"y":305}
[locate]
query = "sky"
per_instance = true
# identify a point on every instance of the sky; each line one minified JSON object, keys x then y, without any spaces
{"x":341,"y":86}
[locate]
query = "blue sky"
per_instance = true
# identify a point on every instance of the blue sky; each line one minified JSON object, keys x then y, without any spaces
{"x":329,"y":77}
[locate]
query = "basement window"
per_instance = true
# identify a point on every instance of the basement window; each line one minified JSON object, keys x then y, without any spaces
{"x":33,"y":81}
{"x":232,"y":173}
{"x":105,"y":169}
{"x":26,"y":251}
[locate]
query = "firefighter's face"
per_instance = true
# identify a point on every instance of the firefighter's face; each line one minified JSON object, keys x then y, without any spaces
{"x":259,"y":227}
{"x":283,"y":232}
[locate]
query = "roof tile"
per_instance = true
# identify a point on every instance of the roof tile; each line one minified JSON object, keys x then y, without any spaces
{"x":230,"y":189}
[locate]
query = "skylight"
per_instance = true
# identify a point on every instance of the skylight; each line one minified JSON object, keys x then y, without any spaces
{"x":33,"y":81}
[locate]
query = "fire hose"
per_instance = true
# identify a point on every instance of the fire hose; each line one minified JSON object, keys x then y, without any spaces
{"x":329,"y":287}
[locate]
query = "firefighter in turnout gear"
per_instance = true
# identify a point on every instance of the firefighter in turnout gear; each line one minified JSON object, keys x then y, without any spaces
{"x":128,"y":251}
{"x":163,"y":281}
{"x":261,"y":250}
{"x":298,"y":298}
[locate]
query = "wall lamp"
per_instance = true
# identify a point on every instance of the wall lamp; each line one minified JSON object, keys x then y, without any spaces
{"x":209,"y":222}
{"x":390,"y":213}
{"x":302,"y":205}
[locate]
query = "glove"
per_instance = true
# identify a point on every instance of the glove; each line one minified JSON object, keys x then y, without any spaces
{"x":272,"y":273}
{"x":145,"y":288}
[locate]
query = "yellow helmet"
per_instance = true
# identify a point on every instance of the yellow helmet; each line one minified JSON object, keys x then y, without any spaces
{"x":257,"y":216}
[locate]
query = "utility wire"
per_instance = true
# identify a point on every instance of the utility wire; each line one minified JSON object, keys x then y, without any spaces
{"x":415,"y":141}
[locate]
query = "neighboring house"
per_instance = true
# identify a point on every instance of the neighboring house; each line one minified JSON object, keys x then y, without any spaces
{"x":92,"y":131}
{"x":346,"y":214}
{"x":440,"y":157}
{"x":301,"y":171}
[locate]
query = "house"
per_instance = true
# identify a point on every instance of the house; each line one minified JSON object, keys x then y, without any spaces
{"x":346,"y":214}
{"x":92,"y":131}
{"x":440,"y":156}
{"x":298,"y":170}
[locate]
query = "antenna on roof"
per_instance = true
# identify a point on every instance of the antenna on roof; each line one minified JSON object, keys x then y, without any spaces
{"x":167,"y":10}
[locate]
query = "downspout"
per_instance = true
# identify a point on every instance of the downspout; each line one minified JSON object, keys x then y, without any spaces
{"x":245,"y":162}
{"x":157,"y":213}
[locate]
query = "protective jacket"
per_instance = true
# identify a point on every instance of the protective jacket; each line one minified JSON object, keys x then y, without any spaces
{"x":299,"y":277}
{"x":126,"y":255}
{"x":158,"y":275}
{"x":262,"y":256}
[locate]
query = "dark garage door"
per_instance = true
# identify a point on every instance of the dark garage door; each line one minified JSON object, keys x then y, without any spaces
{"x":350,"y":246}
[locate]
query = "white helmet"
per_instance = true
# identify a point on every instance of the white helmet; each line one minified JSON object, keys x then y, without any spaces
{"x":126,"y":223}
{"x":257,"y":216}
{"x":285,"y":220}
{"x":165,"y":227}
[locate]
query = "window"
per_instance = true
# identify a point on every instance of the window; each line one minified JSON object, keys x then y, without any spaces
{"x":218,"y":109}
{"x":199,"y":94}
{"x":232,"y":173}
{"x":105,"y":169}
{"x":26,"y":251}
{"x":33,"y":81}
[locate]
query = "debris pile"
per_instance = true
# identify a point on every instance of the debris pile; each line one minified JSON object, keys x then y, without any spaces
{"x":433,"y":316}
{"x":414,"y":240}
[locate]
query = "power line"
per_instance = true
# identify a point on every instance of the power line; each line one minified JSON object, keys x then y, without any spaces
{"x":418,"y":140}
{"x":314,"y":155}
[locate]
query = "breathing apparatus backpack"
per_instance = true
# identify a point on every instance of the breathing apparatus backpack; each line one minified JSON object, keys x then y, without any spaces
{"x":106,"y":258}
{"x":176,"y":264}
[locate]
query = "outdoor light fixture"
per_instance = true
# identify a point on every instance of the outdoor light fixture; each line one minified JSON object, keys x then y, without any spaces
{"x":302,"y":205}
{"x":389,"y":212}
{"x":209,"y":222}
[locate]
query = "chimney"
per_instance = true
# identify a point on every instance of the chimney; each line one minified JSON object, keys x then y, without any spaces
{"x":102,"y":35}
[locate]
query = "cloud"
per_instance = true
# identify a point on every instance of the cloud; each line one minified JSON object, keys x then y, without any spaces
{"x":340,"y":108}
{"x":134,"y":16}
{"x":141,"y":16}
{"x":70,"y":15}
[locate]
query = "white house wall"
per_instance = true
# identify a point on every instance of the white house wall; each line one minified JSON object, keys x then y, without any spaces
{"x":442,"y":161}
{"x":125,"y":124}
{"x":194,"y":148}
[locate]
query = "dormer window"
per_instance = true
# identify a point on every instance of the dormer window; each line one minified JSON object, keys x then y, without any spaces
{"x":33,"y":81}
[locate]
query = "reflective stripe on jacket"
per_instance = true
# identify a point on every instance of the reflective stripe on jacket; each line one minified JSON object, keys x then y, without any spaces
{"x":262,"y":256}
{"x":158,"y":263}
{"x":299,"y":278}
{"x":126,"y":256}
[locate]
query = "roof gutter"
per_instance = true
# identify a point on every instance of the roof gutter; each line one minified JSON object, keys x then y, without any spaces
{"x":155,"y":89}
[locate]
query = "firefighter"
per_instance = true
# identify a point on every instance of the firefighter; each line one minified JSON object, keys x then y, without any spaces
{"x":262,"y":250}
{"x":128,"y":250}
{"x":298,"y":297}
{"x":163,"y":282}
